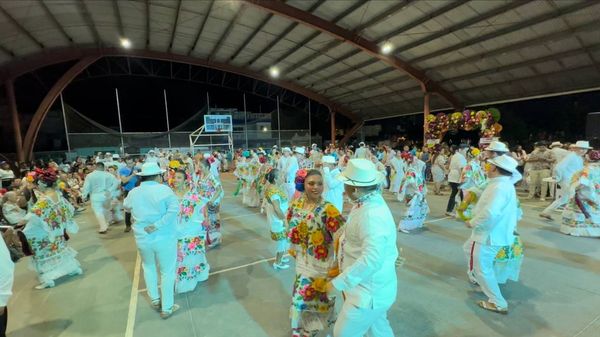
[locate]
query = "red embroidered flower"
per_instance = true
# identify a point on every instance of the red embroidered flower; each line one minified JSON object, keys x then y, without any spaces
{"x":295,"y":236}
{"x":321,"y":252}
{"x":309,"y":293}
{"x":332,"y":224}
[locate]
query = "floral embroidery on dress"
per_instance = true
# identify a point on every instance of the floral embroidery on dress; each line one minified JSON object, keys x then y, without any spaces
{"x":190,"y":273}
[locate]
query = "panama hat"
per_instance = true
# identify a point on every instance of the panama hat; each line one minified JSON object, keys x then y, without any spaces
{"x":116,"y":156}
{"x":555,"y":144}
{"x":360,"y":172}
{"x":328,"y":159}
{"x":582,"y":144}
{"x":150,"y":169}
{"x":497,"y":146}
{"x":300,"y":149}
{"x":286,"y":149}
{"x":505,"y":162}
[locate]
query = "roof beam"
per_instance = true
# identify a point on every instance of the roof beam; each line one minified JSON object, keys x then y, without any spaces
{"x":55,"y":21}
{"x":509,"y":29}
{"x":314,"y":35}
{"x":490,"y":14}
{"x":20,"y":28}
{"x":7,"y":51}
{"x":227,"y":31}
{"x":175,"y":23}
{"x":251,"y":36}
{"x":583,"y":50}
{"x":90,"y":22}
{"x":117,"y":13}
{"x":365,"y":45}
{"x":283,"y":34}
{"x":147,"y":23}
{"x":202,"y":25}
{"x":410,"y":25}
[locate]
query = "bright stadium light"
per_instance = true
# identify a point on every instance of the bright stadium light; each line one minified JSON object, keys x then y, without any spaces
{"x":125,"y":43}
{"x":274,"y":72}
{"x":387,"y":48}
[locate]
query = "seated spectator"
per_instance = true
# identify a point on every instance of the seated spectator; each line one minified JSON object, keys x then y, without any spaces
{"x":12,"y":212}
{"x":6,"y":174}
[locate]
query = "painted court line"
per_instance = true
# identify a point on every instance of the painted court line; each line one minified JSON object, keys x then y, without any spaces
{"x":134,"y":298}
{"x":587,"y":326}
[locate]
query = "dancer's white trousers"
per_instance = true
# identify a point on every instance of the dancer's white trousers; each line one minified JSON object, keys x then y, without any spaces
{"x":481,"y":262}
{"x":564,"y":198}
{"x":356,"y":322}
{"x":100,"y":209}
{"x":165,"y":251}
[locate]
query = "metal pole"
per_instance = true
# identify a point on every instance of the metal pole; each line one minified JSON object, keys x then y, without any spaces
{"x":245,"y":120}
{"x":309,"y":125}
{"x":120,"y":124}
{"x":426,"y":112}
{"x":207,"y":104}
{"x":167,"y":113}
{"x":62,"y":105}
{"x":278,"y":125}
{"x":14,"y":114}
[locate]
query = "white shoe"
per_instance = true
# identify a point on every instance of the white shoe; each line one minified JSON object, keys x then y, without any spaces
{"x":45,"y":285}
{"x":79,"y":271}
{"x":285,"y":259}
{"x":542,"y":199}
{"x":280,"y":266}
{"x":404,"y":231}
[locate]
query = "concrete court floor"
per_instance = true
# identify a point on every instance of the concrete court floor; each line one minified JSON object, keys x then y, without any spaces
{"x":558,"y":294}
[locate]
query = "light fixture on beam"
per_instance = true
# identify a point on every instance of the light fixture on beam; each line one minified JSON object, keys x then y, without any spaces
{"x":125,"y":43}
{"x":274,"y":72}
{"x":387,"y":48}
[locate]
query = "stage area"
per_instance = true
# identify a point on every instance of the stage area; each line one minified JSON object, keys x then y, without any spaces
{"x":558,"y":294}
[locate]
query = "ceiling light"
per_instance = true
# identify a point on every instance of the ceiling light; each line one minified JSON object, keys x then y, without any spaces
{"x":387,"y":48}
{"x":274,"y":72}
{"x":125,"y":43}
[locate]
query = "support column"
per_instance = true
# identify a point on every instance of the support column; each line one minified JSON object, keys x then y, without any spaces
{"x":12,"y":107}
{"x":332,"y":114}
{"x":426,"y":111}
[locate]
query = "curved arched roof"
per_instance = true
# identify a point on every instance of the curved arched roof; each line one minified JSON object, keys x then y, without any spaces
{"x":466,"y":52}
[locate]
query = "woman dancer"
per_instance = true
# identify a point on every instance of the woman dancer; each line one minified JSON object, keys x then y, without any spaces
{"x":581,"y":216}
{"x":413,"y":191}
{"x":45,"y":235}
{"x":275,"y":204}
{"x":313,"y":224}
{"x":211,"y":189}
{"x":192,"y":267}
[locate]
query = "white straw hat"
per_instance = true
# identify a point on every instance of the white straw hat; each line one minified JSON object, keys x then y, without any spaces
{"x":360,"y":172}
{"x":286,"y":149}
{"x":300,"y":149}
{"x":150,"y":169}
{"x":328,"y":159}
{"x":582,"y":144}
{"x":497,"y":146}
{"x":555,"y":144}
{"x":505,"y":162}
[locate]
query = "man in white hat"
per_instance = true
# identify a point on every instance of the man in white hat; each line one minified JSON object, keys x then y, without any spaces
{"x":540,"y":161}
{"x":362,"y":151}
{"x":557,"y":150}
{"x":563,"y":173}
{"x":151,"y":157}
{"x":99,"y":186}
{"x":334,"y":189}
{"x":303,"y":162}
{"x":493,"y":223}
{"x":154,"y":208}
{"x":398,"y":165}
{"x":288,"y":168}
{"x":367,"y":256}
{"x":496,"y":149}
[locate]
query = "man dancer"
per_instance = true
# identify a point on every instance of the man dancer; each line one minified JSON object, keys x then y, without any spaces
{"x":290,"y":167}
{"x":367,"y":256}
{"x":128,"y":182}
{"x":541,"y":161}
{"x":334,"y":189}
{"x":564,"y":172}
{"x":362,"y":151}
{"x":457,"y":163}
{"x":99,"y":186}
{"x":493,"y":223}
{"x":154,"y":207}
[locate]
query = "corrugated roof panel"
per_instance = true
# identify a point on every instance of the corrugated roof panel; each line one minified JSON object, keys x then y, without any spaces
{"x":330,"y":9}
{"x":549,"y":66}
{"x":579,"y":60}
{"x":568,"y":43}
{"x":533,"y":8}
{"x":590,"y":37}
{"x":408,"y":14}
{"x":521,"y":72}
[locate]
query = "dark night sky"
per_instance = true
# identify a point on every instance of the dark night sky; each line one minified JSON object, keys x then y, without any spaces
{"x":142,"y":109}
